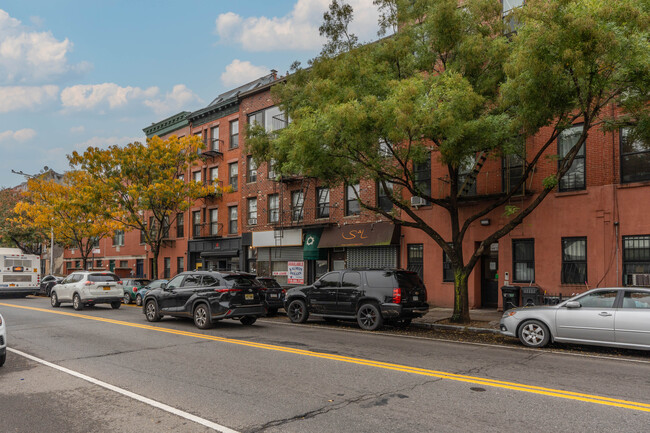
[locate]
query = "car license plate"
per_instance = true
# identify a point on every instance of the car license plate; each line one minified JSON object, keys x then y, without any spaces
{"x":415,"y":298}
{"x":273,"y":295}
{"x":249,"y":296}
{"x":107,"y":288}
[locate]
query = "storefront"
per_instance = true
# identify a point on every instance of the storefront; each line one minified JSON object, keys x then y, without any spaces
{"x":220,"y":254}
{"x":279,"y":254}
{"x":371,"y":245}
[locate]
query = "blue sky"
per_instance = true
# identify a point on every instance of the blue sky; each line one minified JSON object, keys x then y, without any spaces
{"x":75,"y":74}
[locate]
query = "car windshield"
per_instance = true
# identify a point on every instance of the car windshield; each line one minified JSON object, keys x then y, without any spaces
{"x":241,"y":281}
{"x":103,"y":277}
{"x":409,"y":280}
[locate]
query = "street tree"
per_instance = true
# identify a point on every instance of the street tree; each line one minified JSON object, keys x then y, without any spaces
{"x":142,"y":186}
{"x":28,"y":238}
{"x":454,"y":84}
{"x":67,"y":209}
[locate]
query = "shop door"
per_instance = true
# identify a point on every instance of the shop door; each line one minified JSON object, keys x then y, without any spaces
{"x":139,"y":268}
{"x":490,"y":278}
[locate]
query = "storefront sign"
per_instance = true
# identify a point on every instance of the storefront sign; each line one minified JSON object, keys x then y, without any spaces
{"x":356,"y":235}
{"x":278,"y":238}
{"x":280,"y":273}
{"x":296,"y":273}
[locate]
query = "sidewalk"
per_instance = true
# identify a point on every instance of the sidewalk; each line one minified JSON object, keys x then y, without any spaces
{"x":482,"y":320}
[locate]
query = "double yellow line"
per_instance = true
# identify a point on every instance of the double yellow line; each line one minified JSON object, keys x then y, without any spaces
{"x":588,"y":398}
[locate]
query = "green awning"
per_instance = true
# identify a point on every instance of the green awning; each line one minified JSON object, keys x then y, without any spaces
{"x":310,"y":250}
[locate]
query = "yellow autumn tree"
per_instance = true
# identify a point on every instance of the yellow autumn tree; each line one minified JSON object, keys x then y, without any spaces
{"x":68,"y":208}
{"x":142,"y":186}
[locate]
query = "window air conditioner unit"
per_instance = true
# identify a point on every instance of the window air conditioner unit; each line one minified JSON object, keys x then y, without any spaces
{"x":418,"y":201}
{"x":252,"y":221}
{"x":641,"y":280}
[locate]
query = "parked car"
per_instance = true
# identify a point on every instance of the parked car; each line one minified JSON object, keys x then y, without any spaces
{"x":272,"y":294}
{"x":88,"y":288}
{"x":369,"y":296}
{"x":131,"y":288}
{"x":206,"y":296}
{"x":47,"y":283}
{"x":618,"y":317}
{"x":3,"y":341}
{"x":143,"y":290}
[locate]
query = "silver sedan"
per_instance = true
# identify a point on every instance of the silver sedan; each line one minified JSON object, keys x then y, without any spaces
{"x":617,"y":317}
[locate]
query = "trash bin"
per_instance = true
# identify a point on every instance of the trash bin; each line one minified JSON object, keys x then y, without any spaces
{"x":510,"y":297}
{"x":531,"y":295}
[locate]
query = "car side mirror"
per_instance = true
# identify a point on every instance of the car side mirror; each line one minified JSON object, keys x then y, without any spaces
{"x":573,"y":304}
{"x":163,"y":286}
{"x":317,"y":284}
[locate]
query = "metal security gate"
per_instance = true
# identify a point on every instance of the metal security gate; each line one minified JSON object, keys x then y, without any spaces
{"x":373,"y":257}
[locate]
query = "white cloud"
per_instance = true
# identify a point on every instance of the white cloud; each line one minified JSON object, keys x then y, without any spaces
{"x":104,"y":142}
{"x":77,"y":129}
{"x":24,"y":97}
{"x":21,"y":135}
{"x":298,"y":30}
{"x":28,"y":56}
{"x":238,"y":72}
{"x":88,"y":96}
{"x":177,"y":99}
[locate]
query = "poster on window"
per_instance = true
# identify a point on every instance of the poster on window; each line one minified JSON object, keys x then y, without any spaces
{"x":296,"y":273}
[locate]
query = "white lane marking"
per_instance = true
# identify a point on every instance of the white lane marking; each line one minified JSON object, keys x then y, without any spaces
{"x":129,"y":394}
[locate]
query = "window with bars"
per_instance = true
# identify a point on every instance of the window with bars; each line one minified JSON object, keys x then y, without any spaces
{"x":352,"y":206}
{"x":574,"y":260}
{"x":415,"y":258}
{"x":635,"y":158}
{"x":323,"y":202}
{"x":274,"y":208}
{"x":523,"y":260}
{"x":574,"y":178}
{"x":636,"y":257}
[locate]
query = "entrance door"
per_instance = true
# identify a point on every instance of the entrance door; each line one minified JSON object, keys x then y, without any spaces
{"x":489,"y":277}
{"x":139,"y":268}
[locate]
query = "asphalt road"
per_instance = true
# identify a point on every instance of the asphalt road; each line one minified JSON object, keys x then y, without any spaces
{"x":278,"y":377}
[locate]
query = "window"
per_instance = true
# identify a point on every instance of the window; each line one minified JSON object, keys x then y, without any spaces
{"x":415,"y":258}
{"x":118,"y":239}
{"x":252,"y":211}
{"x":523,"y":260}
{"x":95,"y":241}
{"x":234,"y":134}
{"x":635,"y":159}
{"x":574,"y":178}
{"x":251,"y":169}
{"x":167,"y":267}
{"x":214,"y":144}
{"x":274,"y":208}
{"x":297,"y":202}
{"x":232,"y":220}
{"x":196,"y":223}
{"x":467,"y":181}
{"x":143,"y":236}
{"x":100,"y":263}
{"x":124,"y":263}
{"x":180,"y":225}
{"x":422,"y":175}
{"x":383,"y":199}
{"x":509,"y":5}
{"x":196,"y":176}
{"x":636,"y":257}
{"x":574,"y":260}
{"x":330,"y":280}
{"x":637,"y":300}
{"x":384,"y":149}
{"x":214,"y":223}
{"x":602,"y":299}
{"x":214,"y":175}
{"x":233,"y":171}
{"x":351,"y":279}
{"x":199,"y":135}
{"x":513,"y":170}
{"x":165,"y":227}
{"x":271,"y":164}
{"x":181,"y":177}
{"x":511,"y":22}
{"x":323,"y":199}
{"x":352,"y":206}
{"x":447,"y":271}
{"x":270,"y":118}
{"x":180,"y":264}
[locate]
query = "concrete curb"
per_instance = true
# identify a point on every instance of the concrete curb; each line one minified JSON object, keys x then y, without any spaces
{"x":455,"y":328}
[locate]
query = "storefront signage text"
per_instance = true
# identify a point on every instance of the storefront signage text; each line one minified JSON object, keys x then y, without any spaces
{"x":296,"y":273}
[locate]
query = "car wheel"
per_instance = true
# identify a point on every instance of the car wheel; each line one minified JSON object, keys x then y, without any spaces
{"x":533,"y":333}
{"x":3,"y":358}
{"x":151,"y":311}
{"x":272,"y":311}
{"x":54,"y":300}
{"x":369,"y":317}
{"x":138,"y":300}
{"x":116,"y":304}
{"x":297,"y":311}
{"x":202,"y":317}
{"x":76,"y":302}
{"x":248,"y":320}
{"x":127,"y":298}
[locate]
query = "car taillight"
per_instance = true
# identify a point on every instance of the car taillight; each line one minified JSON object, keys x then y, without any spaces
{"x":88,"y":283}
{"x":135,"y":289}
{"x":397,"y":295}
{"x":227,"y":290}
{"x":263,"y":289}
{"x":284,"y":291}
{"x":119,"y":282}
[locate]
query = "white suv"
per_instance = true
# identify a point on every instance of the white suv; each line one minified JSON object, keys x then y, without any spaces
{"x":88,"y":288}
{"x":3,"y":341}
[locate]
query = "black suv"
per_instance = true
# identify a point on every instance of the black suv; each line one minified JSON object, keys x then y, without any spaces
{"x":273,"y":295}
{"x":371,"y":296}
{"x":206,"y":296}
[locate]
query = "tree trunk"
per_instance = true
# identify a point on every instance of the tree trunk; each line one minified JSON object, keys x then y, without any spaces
{"x":461,"y":300}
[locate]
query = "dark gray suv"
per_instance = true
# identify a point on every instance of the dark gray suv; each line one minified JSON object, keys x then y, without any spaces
{"x":372,"y":297}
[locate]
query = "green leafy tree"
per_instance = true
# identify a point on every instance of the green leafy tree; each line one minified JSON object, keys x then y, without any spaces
{"x":451,"y":84}
{"x":141,"y":186}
